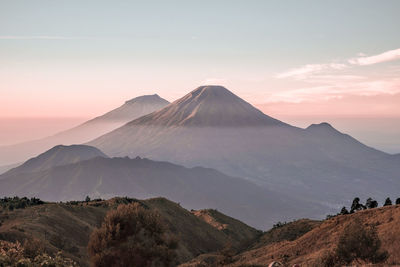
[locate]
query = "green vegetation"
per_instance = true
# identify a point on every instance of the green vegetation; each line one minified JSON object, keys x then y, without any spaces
{"x":132,"y":235}
{"x":11,"y":203}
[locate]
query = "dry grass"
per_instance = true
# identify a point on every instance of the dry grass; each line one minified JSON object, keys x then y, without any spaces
{"x":310,"y":247}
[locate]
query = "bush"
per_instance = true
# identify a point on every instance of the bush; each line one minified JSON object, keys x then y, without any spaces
{"x":398,"y":201}
{"x":131,"y":236}
{"x":15,"y":255}
{"x":12,"y":203}
{"x":359,"y":243}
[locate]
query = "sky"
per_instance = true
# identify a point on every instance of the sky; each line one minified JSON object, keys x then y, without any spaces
{"x":290,"y":58}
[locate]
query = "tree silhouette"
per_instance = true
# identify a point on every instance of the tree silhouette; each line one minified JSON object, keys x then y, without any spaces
{"x":370,"y":204}
{"x":388,"y":202}
{"x":344,"y":211}
{"x":356,"y":206}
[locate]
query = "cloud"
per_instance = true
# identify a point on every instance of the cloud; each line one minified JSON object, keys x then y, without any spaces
{"x":338,"y":89}
{"x":384,"y":57}
{"x":37,"y":37}
{"x":309,"y":69}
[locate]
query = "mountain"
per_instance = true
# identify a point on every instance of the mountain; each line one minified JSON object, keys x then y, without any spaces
{"x":101,"y":177}
{"x":66,"y":227}
{"x":208,"y":106}
{"x":212,"y":127}
{"x":58,"y":156}
{"x":6,"y":168}
{"x":130,"y":110}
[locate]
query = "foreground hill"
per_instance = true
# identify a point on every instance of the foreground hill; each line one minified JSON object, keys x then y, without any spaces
{"x":308,"y":249}
{"x":67,"y":227}
{"x":100,"y":177}
{"x":212,"y":127}
{"x":98,"y":126}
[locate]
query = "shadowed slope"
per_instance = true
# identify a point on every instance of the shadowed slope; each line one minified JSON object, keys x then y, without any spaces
{"x":142,"y":178}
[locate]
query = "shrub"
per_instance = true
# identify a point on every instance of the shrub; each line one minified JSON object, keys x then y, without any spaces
{"x":398,"y":201}
{"x":359,"y":243}
{"x":131,"y":236}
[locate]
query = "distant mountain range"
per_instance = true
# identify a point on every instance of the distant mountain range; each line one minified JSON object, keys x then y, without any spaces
{"x":74,"y":172}
{"x":270,"y":170}
{"x":85,"y":132}
{"x":214,"y":128}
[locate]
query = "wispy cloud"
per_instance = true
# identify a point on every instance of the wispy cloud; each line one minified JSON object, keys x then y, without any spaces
{"x":306,"y":71}
{"x":309,"y":69}
{"x":337,"y":90}
{"x":37,"y":37}
{"x":384,"y":57}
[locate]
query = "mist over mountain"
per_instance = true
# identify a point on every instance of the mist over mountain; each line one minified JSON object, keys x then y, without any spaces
{"x":212,"y":127}
{"x":100,"y":177}
{"x":130,"y":110}
{"x":57,"y":156}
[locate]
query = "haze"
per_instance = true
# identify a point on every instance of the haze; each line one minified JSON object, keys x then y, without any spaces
{"x":336,"y":62}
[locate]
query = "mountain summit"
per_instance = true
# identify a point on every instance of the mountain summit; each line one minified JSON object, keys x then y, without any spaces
{"x":130,"y":110}
{"x":133,"y":109}
{"x":209,"y":105}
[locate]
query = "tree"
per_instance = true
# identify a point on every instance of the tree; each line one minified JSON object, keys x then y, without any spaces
{"x":356,"y":206}
{"x":388,"y":202}
{"x":370,"y":204}
{"x":131,"y":236}
{"x":344,"y":211}
{"x":398,"y":201}
{"x":87,"y":199}
{"x":358,"y":242}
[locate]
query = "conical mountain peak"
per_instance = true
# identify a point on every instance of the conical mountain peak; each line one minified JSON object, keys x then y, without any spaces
{"x":209,"y":105}
{"x":146,"y":98}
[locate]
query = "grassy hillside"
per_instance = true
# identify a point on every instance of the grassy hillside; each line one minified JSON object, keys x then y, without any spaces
{"x":309,"y":248}
{"x":67,"y":227}
{"x":240,"y":234}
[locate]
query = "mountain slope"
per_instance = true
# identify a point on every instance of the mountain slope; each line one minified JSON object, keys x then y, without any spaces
{"x":130,"y":110}
{"x":317,"y":164}
{"x":58,"y":156}
{"x":195,"y":187}
{"x":310,"y":247}
{"x":208,"y":106}
{"x":66,"y":227}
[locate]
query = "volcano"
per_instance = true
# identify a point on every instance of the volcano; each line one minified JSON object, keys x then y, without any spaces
{"x":213,"y":106}
{"x":85,"y":132}
{"x":214,"y":128}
